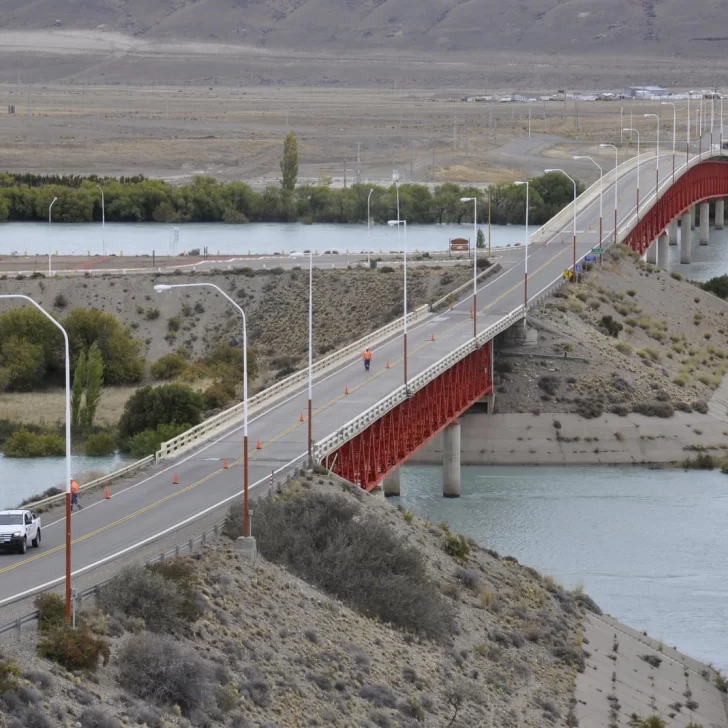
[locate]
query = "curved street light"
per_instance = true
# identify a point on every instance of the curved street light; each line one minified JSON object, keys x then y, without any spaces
{"x":573,"y":181}
{"x":616,"y":183}
{"x":68,"y":441}
{"x":674,"y":132}
{"x":657,"y":156}
{"x":50,"y":208}
{"x":397,"y":223}
{"x":638,"y":168}
{"x":474,"y":200}
{"x":525,"y":257}
{"x":161,"y":288}
{"x":601,"y":194}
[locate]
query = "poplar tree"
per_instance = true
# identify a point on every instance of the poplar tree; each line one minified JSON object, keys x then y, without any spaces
{"x":289,"y":162}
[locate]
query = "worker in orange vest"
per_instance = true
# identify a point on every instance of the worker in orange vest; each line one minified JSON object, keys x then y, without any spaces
{"x":367,"y":358}
{"x":75,"y":487}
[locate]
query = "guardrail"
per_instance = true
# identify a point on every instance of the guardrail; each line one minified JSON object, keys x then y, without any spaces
{"x":352,"y":428}
{"x":103,"y":480}
{"x":234,"y":415}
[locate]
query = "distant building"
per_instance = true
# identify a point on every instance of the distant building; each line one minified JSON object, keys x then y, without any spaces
{"x":645,"y":92}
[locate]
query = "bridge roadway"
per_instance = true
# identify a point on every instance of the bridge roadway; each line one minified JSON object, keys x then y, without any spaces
{"x":151,"y":504}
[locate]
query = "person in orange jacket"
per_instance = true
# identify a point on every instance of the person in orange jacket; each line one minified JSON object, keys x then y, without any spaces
{"x":75,"y":487}
{"x":367,"y":358}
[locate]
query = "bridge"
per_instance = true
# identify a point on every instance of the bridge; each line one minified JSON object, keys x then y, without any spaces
{"x":366,"y":424}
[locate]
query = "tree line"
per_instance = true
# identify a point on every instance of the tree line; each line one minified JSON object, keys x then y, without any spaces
{"x":135,"y":199}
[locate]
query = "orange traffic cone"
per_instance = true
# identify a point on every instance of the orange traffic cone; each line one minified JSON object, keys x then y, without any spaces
{"x":452,"y":305}
{"x":387,"y":366}
{"x":225,"y":464}
{"x":346,"y":389}
{"x":175,"y":480}
{"x":107,"y":495}
{"x":432,"y":338}
{"x":258,"y":446}
{"x":301,"y":419}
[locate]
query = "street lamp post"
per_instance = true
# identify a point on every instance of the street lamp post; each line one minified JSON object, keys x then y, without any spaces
{"x":369,"y":228}
{"x":674,"y":132}
{"x":395,"y":179}
{"x":310,"y":359}
{"x":474,"y":200}
{"x":525,"y":257}
{"x":161,"y":288}
{"x":621,"y":124}
{"x":721,"y":123}
{"x":616,"y":183}
{"x":601,"y":195}
{"x":573,"y":181}
{"x":103,"y":222}
{"x":50,"y":207}
{"x":392,"y":223}
{"x":68,"y":441}
{"x":638,"y":168}
{"x":657,"y":156}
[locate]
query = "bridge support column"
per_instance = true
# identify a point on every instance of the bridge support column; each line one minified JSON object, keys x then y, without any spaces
{"x":693,"y":210}
{"x":663,"y":251}
{"x":719,"y":214}
{"x":391,"y":484}
{"x":673,"y":232}
{"x":686,"y":239}
{"x":451,"y":461}
{"x":704,"y":223}
{"x":652,"y":253}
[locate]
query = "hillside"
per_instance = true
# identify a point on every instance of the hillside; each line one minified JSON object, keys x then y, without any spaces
{"x":652,"y":27}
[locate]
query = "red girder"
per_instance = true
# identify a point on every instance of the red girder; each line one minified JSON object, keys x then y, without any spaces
{"x":372,"y":454}
{"x":703,"y":182}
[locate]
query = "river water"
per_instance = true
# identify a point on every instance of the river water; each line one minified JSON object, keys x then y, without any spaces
{"x":21,"y":478}
{"x":648,"y":545}
{"x":256,"y":238}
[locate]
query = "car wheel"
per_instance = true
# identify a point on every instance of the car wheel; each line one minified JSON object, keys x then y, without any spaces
{"x":23,"y":546}
{"x":36,"y":540}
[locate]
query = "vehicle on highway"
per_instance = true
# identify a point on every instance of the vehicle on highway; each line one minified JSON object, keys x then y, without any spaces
{"x":296,"y":254}
{"x":18,"y":528}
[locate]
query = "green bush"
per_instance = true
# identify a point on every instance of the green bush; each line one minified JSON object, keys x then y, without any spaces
{"x":226,"y":362}
{"x":173,"y":324}
{"x":74,"y":649}
{"x":150,"y":407}
{"x":717,"y":286}
{"x":218,"y":394}
{"x":702,"y":461}
{"x":456,"y":545}
{"x":152,"y":314}
{"x":51,"y":611}
{"x":25,"y":444}
{"x":100,"y":445}
{"x":169,"y":366}
{"x":327,"y":540}
{"x":148,"y":442}
{"x":610,"y":326}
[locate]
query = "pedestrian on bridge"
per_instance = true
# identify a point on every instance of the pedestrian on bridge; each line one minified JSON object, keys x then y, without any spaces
{"x":367,"y":358}
{"x":75,"y":488}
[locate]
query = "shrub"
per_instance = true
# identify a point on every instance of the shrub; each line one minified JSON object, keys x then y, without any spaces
{"x":456,"y":545}
{"x":60,"y":301}
{"x":218,"y":394}
{"x":702,"y":461}
{"x":610,"y":326}
{"x":589,"y":409}
{"x":167,"y":404}
{"x":721,"y":683}
{"x":549,"y":383}
{"x":25,"y":444}
{"x":157,"y":668}
{"x":623,"y":347}
{"x":654,"y":408}
{"x":700,"y":406}
{"x":165,"y":604}
{"x":148,"y":442}
{"x":74,"y":649}
{"x":152,"y":314}
{"x":173,"y":324}
{"x":51,"y":611}
{"x":677,"y":275}
{"x":97,"y":718}
{"x":325,"y":540}
{"x":100,"y":445}
{"x":169,"y":366}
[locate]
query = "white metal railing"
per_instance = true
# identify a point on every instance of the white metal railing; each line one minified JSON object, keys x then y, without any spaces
{"x":234,"y":415}
{"x":352,"y":428}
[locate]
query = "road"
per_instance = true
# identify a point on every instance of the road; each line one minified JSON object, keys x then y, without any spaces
{"x":152,"y":504}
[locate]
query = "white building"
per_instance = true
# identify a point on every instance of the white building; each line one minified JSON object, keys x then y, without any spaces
{"x":645,"y":92}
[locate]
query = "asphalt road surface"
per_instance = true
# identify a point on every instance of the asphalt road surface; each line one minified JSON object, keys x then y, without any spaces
{"x":152,"y":504}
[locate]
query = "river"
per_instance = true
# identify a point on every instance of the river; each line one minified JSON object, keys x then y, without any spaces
{"x":648,"y":545}
{"x":256,"y":238}
{"x":21,"y":478}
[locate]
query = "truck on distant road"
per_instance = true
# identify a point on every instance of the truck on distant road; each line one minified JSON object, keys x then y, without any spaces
{"x":18,"y":528}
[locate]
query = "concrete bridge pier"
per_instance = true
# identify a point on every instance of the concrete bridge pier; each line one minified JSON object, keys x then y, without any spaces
{"x":673,"y":232}
{"x":451,"y":461}
{"x":686,"y":239}
{"x":719,"y":214}
{"x":704,"y":223}
{"x":693,"y":209}
{"x":663,"y":251}
{"x":391,"y":484}
{"x":652,"y":253}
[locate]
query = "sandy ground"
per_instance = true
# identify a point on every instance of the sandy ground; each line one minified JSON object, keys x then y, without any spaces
{"x":176,"y":132}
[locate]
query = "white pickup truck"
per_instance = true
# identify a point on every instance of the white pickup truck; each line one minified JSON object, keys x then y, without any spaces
{"x":18,"y":529}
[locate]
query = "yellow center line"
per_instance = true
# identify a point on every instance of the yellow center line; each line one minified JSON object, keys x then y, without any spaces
{"x":273,"y":440}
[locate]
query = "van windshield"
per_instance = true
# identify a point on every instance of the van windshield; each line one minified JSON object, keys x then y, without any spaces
{"x":11,"y":519}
